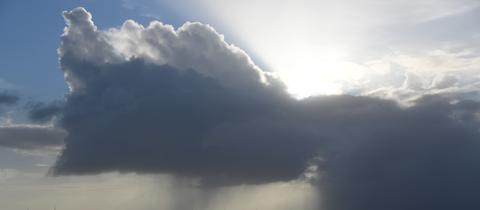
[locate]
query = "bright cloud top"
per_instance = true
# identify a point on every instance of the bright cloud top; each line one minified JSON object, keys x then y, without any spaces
{"x":329,"y":47}
{"x":193,"y":46}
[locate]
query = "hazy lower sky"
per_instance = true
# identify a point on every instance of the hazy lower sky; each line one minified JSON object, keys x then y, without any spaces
{"x":179,"y":105}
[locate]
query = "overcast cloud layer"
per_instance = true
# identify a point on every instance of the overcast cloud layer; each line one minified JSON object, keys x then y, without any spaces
{"x":184,"y":102}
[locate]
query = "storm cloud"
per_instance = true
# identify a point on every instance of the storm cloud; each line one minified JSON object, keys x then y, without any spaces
{"x":158,"y":114}
{"x":423,"y":157}
{"x":184,"y":102}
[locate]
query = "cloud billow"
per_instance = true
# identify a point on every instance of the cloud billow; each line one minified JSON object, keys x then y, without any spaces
{"x":186,"y":103}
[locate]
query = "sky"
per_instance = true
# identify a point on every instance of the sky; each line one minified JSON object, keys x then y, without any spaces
{"x":176,"y":105}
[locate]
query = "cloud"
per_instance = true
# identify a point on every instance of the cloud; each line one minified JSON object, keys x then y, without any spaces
{"x":325,"y":47}
{"x":186,"y":103}
{"x":423,"y":157}
{"x":157,"y":100}
{"x":41,"y":112}
{"x":8,"y":98}
{"x":31,"y":137}
{"x":444,"y":71}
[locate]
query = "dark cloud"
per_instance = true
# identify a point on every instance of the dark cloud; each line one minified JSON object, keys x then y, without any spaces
{"x":136,"y":115}
{"x":31,"y":137}
{"x":149,"y":110}
{"x":41,"y":112}
{"x":423,"y":157}
{"x":156,"y":119}
{"x":7,"y":98}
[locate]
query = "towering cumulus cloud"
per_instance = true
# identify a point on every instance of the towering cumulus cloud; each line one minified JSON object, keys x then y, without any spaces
{"x":179,"y":101}
{"x":184,"y":102}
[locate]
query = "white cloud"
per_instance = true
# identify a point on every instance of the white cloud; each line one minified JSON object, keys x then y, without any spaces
{"x":443,"y":71}
{"x":298,"y":38}
{"x":193,"y":46}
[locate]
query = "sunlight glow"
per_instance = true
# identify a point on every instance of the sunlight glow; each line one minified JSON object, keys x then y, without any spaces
{"x":311,"y":57}
{"x":308,"y":71}
{"x":320,"y":47}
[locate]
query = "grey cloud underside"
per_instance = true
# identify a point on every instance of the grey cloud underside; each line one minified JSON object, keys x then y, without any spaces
{"x":425,"y":157}
{"x":136,"y":114}
{"x":31,"y":137}
{"x":156,"y":119}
